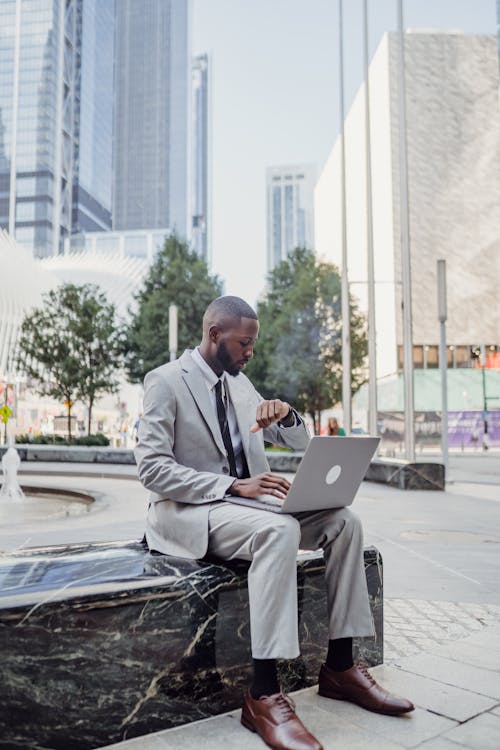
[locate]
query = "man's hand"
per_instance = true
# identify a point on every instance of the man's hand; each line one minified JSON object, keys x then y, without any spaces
{"x":262,"y":484}
{"x":269,"y":412}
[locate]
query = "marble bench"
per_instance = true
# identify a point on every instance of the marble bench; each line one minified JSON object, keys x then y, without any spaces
{"x":102,"y":642}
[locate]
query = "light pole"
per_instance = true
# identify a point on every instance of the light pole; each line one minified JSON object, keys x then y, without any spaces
{"x":405,"y":250}
{"x":346,"y":322}
{"x":443,"y":364}
{"x":372,"y":346}
{"x":172,"y":331}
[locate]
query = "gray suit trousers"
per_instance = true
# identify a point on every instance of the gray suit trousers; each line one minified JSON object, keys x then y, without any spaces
{"x":271,"y":541}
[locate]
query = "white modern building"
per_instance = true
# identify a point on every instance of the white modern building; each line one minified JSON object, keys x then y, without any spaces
{"x":144,"y":244}
{"x":453,"y":147}
{"x":116,"y":272}
{"x":290,"y":210}
{"x":21,"y":289}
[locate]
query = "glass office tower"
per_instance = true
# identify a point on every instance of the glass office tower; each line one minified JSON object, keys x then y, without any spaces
{"x":290,"y":210}
{"x":93,"y":116}
{"x":151,"y":115}
{"x":56,"y":93}
{"x":37,"y":62}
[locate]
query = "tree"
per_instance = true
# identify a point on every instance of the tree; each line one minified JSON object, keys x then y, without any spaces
{"x":71,"y":347}
{"x":178,"y":276}
{"x":299,"y":351}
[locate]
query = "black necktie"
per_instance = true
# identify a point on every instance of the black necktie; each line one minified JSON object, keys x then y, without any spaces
{"x":224,"y":428}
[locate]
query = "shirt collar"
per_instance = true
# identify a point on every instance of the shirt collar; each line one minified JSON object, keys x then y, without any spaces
{"x":209,"y":375}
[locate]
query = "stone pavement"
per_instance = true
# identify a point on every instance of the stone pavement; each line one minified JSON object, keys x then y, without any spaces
{"x":455,"y":688}
{"x":415,"y":625}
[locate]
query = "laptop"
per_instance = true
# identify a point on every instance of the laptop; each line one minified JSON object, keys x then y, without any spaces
{"x":328,"y":476}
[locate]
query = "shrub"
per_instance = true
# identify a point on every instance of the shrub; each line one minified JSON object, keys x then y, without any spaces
{"x":97,"y":440}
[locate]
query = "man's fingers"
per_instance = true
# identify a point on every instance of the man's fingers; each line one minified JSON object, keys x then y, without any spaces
{"x":268,"y":412}
{"x":270,"y":482}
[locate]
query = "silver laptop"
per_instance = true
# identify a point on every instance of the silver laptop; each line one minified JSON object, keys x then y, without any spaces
{"x":328,"y":476}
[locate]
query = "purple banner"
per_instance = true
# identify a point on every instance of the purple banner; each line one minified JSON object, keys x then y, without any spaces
{"x":465,"y":428}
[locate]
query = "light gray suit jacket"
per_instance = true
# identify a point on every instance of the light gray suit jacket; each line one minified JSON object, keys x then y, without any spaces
{"x":181,"y":457}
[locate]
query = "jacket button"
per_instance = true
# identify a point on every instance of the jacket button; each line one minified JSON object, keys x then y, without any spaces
{"x":225,"y":470}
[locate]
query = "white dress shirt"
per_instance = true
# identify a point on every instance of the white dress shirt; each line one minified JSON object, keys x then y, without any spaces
{"x":211,"y":381}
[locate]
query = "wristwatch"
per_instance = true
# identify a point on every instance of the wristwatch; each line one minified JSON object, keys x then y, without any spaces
{"x":283,"y":422}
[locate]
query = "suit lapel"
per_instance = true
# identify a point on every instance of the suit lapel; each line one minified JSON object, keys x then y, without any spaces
{"x":195,"y":381}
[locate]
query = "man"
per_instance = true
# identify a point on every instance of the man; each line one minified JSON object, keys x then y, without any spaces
{"x":201,"y":442}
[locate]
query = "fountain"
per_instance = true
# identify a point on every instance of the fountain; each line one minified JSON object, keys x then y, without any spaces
{"x":27,"y":504}
{"x":10,"y":488}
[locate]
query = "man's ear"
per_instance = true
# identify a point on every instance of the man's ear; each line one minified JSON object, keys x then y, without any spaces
{"x":214,"y":333}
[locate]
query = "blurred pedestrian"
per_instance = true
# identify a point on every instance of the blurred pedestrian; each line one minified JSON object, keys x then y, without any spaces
{"x":334,"y":429}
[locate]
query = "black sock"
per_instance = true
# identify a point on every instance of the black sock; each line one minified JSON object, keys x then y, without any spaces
{"x":265,"y":678}
{"x":339,"y":655}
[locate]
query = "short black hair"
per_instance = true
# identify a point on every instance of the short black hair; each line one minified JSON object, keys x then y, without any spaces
{"x":228,"y":308}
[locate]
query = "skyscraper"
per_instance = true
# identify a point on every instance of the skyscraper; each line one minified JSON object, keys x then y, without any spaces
{"x":290,"y":210}
{"x":55,"y":119}
{"x":200,"y":157}
{"x":94,"y":69}
{"x":37,"y":63}
{"x":151,"y":115}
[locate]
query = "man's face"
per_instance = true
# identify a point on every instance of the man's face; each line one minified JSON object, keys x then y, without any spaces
{"x":235,"y":345}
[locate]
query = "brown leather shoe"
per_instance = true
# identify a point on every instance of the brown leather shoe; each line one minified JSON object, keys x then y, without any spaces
{"x":358,"y":686}
{"x":273,"y":717}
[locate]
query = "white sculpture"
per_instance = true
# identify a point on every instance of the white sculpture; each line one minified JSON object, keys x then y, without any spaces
{"x":10,"y":488}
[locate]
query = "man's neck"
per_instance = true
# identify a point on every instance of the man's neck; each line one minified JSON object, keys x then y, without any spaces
{"x":213,"y":364}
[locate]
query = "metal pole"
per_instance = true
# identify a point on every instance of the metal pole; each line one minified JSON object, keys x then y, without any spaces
{"x":346,"y":332}
{"x":372,"y":342}
{"x":405,"y":251}
{"x":172,"y":331}
{"x":485,"y":398}
{"x":443,"y":364}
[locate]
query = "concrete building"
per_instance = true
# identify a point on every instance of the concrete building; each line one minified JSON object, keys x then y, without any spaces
{"x":200,"y":183}
{"x":290,"y":210}
{"x":55,"y":122}
{"x":453,"y":146}
{"x":152,"y":63}
{"x":143,"y":244}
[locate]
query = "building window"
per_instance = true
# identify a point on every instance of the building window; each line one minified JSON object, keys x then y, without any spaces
{"x":418,"y":357}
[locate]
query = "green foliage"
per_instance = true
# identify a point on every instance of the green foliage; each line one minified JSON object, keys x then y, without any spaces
{"x":299,"y":351}
{"x":71,"y":347}
{"x":97,"y":440}
{"x":178,"y":276}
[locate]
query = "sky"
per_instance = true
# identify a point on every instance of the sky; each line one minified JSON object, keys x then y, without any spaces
{"x":274,"y":100}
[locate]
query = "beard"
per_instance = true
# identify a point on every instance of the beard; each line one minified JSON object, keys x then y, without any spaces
{"x":225,"y":360}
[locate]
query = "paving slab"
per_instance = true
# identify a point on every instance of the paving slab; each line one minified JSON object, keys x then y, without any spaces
{"x":146,"y":742}
{"x":212,"y":734}
{"x":334,"y":730}
{"x":482,"y":733}
{"x":450,"y":672}
{"x":469,"y":653}
{"x":496,"y":711}
{"x":440,"y":743}
{"x":408,"y":731}
{"x":445,"y":700}
{"x":489,"y":638}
